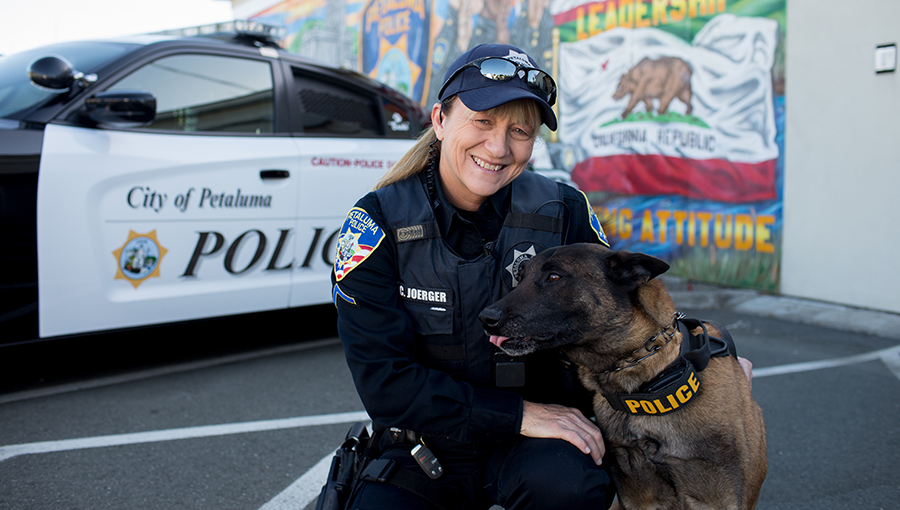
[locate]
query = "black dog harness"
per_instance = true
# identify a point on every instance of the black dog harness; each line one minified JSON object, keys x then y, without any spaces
{"x":678,"y":383}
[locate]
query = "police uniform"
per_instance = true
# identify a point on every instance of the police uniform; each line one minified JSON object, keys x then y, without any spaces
{"x":411,"y":275}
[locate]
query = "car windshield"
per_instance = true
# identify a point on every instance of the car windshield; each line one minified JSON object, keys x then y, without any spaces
{"x":18,"y":94}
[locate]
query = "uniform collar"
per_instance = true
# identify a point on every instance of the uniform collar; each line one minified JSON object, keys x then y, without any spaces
{"x":496,"y":206}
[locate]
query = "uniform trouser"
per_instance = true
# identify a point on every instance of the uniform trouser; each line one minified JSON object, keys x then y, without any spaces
{"x":520,"y":474}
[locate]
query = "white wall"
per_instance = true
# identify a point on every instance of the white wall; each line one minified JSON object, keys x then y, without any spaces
{"x":842,"y":155}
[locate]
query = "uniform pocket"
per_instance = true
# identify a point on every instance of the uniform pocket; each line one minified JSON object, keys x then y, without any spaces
{"x":430,"y":319}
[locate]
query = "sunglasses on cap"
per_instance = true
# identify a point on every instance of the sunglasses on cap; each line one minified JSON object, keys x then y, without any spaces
{"x":502,"y":69}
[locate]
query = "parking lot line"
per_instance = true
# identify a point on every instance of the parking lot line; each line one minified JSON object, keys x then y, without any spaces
{"x":890,"y":356}
{"x":7,"y":452}
{"x":304,"y":490}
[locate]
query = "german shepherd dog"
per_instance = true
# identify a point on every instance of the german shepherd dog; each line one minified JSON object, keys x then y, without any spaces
{"x":699,"y":445}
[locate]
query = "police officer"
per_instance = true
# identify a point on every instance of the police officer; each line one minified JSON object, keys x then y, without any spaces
{"x":444,"y":235}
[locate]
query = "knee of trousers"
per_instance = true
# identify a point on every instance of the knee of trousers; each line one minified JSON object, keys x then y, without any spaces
{"x":559,"y":475}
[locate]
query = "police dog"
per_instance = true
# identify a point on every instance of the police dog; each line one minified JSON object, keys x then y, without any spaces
{"x":702,"y":446}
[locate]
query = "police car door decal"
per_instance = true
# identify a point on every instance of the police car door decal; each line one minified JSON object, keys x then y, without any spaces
{"x":140,"y":228}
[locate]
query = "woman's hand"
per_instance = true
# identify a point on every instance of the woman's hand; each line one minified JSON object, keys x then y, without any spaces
{"x":566,"y":423}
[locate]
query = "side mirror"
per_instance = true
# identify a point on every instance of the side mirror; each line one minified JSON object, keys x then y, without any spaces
{"x":121,"y":107}
{"x":56,"y":74}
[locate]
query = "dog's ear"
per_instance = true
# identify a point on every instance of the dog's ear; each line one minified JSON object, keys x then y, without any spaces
{"x":632,"y":270}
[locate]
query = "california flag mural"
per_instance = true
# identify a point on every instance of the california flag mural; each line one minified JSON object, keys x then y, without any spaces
{"x":671,"y":112}
{"x":657,"y":115}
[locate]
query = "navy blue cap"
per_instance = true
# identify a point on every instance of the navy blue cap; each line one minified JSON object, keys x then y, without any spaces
{"x":479,"y":93}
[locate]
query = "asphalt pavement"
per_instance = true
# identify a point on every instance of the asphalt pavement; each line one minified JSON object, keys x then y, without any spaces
{"x":254,"y":429}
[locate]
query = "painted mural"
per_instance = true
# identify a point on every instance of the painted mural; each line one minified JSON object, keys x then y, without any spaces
{"x":671,"y":111}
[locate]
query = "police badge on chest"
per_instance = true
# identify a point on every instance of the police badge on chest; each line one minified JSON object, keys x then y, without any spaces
{"x":513,"y":261}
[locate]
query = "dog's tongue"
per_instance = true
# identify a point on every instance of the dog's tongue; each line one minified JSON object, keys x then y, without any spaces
{"x":497,"y":340}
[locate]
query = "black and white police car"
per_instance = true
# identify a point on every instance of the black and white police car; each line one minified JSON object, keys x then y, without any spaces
{"x":158,"y":179}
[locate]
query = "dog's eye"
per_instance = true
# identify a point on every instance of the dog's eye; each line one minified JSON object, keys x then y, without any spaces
{"x":552,"y":277}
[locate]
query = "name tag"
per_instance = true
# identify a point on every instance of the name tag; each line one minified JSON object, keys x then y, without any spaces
{"x":429,"y":296}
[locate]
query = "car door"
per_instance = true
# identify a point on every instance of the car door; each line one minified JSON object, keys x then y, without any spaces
{"x":345,"y":145}
{"x":180,"y":219}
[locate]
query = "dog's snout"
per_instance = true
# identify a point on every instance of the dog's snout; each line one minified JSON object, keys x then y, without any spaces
{"x":491,"y":317}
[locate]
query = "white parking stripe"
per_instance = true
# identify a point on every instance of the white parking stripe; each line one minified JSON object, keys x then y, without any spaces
{"x":304,"y":490}
{"x":888,"y":355}
{"x":891,"y":358}
{"x":10,"y":451}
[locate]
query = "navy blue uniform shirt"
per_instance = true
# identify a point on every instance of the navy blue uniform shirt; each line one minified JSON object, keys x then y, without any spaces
{"x":378,"y":336}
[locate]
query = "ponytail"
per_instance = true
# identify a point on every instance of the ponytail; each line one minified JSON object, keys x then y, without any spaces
{"x":414,"y":161}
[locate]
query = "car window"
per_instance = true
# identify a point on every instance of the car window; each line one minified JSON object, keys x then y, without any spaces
{"x":207,"y":93}
{"x":329,"y":108}
{"x":17,"y":93}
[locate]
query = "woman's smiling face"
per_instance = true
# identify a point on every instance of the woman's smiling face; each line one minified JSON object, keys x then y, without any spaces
{"x":481,"y":152}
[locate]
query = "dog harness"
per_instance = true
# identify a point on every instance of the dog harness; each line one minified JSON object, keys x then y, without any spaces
{"x":677,"y":385}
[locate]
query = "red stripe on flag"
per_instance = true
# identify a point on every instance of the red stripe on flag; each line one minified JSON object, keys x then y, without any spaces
{"x":711,"y":179}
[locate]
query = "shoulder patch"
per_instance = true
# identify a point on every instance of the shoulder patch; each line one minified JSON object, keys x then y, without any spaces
{"x":359,"y":238}
{"x":595,"y":222}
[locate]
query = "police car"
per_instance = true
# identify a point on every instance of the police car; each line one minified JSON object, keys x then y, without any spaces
{"x":158,"y":179}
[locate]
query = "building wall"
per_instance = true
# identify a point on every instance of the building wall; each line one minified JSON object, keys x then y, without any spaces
{"x":842,"y":155}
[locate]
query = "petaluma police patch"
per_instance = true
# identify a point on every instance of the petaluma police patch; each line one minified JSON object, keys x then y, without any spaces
{"x":359,"y":237}
{"x":595,"y":222}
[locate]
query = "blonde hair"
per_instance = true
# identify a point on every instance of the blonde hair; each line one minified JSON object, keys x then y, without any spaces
{"x":522,"y":111}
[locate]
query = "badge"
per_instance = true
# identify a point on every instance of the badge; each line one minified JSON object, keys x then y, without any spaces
{"x":139,"y":258}
{"x":359,"y":238}
{"x":595,"y":222}
{"x":513,"y":260}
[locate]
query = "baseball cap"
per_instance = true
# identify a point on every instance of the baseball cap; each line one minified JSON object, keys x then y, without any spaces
{"x":480,"y":93}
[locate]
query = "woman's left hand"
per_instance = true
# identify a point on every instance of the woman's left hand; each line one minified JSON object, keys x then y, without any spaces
{"x":566,"y":423}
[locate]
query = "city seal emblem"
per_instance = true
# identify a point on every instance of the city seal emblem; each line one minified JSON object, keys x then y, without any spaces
{"x":139,"y":258}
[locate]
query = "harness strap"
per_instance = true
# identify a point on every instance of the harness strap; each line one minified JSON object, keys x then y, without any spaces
{"x":694,"y":348}
{"x":387,"y":471}
{"x":698,"y":349}
{"x":726,"y":343}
